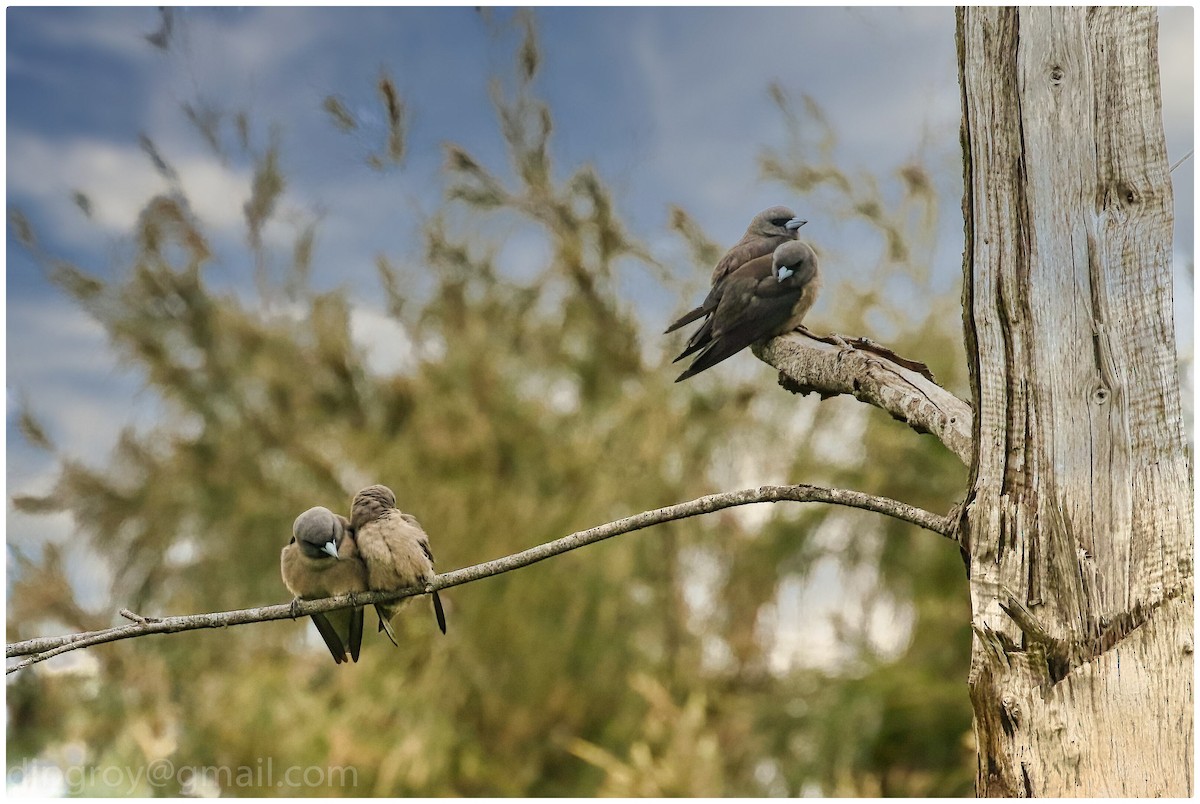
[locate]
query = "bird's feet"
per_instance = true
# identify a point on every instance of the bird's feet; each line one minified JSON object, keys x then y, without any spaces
{"x":844,"y":348}
{"x":832,"y":338}
{"x":295,"y":607}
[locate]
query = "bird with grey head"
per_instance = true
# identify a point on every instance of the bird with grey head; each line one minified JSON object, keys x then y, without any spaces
{"x":395,"y":549}
{"x":767,"y":296}
{"x":767,"y":231}
{"x":322,"y":561}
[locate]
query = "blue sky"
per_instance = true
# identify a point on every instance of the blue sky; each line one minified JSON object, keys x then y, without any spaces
{"x":670,"y":104}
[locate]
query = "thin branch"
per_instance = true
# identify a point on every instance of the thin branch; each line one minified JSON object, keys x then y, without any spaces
{"x":38,"y":650}
{"x":1029,"y":623}
{"x":875,"y":375}
{"x":1182,"y":159}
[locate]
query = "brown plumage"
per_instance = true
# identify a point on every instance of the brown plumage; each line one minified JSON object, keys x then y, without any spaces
{"x":767,"y":231}
{"x":395,"y":550}
{"x":764,"y":298}
{"x":322,"y":561}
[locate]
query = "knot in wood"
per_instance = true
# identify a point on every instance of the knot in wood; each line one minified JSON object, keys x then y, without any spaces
{"x":1056,"y":75}
{"x":1127,"y":194}
{"x":1010,"y":715}
{"x":1100,"y":395}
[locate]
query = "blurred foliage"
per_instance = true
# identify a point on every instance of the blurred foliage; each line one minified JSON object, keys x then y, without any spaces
{"x":652,"y":664}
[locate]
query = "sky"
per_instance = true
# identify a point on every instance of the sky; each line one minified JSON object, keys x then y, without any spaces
{"x":670,"y":104}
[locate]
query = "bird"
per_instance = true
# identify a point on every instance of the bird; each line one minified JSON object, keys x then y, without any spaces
{"x":767,"y":231}
{"x":320,"y":561}
{"x":766,"y":297}
{"x":395,"y":549}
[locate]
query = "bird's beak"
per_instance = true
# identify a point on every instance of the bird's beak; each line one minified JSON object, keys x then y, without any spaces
{"x":794,"y":223}
{"x":783,"y":273}
{"x":331,"y":548}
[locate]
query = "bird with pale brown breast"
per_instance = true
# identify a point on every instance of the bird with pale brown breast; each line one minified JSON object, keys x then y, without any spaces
{"x":322,"y":561}
{"x":767,"y":231}
{"x":395,"y":550}
{"x":767,"y":296}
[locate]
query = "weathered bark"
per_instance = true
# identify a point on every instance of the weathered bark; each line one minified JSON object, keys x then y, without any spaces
{"x":1080,"y":495}
{"x":876,"y":376}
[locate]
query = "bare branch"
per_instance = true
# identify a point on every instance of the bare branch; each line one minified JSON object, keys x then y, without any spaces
{"x":874,"y":375}
{"x":38,"y":650}
{"x":1181,"y":160}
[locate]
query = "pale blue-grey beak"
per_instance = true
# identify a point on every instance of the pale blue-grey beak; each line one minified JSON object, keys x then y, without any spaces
{"x":330,"y":547}
{"x":784,"y":273}
{"x":794,"y":223}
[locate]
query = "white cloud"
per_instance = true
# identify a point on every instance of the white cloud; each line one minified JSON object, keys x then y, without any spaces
{"x":117,"y":32}
{"x":118,"y":180}
{"x":388,"y":348}
{"x":60,"y":361}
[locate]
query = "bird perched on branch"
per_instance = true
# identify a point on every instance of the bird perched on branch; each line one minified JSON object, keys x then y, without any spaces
{"x":395,"y":550}
{"x":770,"y":228}
{"x":320,"y":561}
{"x":767,"y":296}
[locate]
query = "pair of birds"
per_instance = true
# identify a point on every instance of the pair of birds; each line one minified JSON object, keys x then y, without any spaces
{"x":379,"y":548}
{"x":761,"y":288}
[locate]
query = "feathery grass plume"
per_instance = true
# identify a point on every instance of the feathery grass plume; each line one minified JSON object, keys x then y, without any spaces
{"x":705,"y":251}
{"x":241,"y":124}
{"x":528,"y":56}
{"x":338,"y":113}
{"x":156,"y":158}
{"x":161,"y":38}
{"x":471,"y":183}
{"x":21,"y":228}
{"x":266,"y":189}
{"x":299,"y":278}
{"x":82,"y":201}
{"x":167,"y":219}
{"x":77,"y":282}
{"x":393,"y":108}
{"x":32,"y":429}
{"x":206,"y":119}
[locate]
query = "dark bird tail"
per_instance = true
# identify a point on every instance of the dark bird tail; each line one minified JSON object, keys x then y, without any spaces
{"x":699,"y":340}
{"x":437,"y":610}
{"x":385,"y":623}
{"x":330,"y":635}
{"x":716,"y":352}
{"x":356,"y":627}
{"x":686,"y":318}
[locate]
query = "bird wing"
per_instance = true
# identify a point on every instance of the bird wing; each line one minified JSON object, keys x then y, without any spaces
{"x":753,"y":308}
{"x":749,"y":248}
{"x":423,"y":540}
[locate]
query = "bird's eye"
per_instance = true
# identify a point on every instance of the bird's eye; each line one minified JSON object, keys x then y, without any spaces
{"x":779,"y":221}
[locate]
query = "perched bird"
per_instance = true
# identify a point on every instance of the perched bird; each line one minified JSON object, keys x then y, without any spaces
{"x":321,"y":561}
{"x":769,"y":229}
{"x":395,"y":550}
{"x":764,"y":298}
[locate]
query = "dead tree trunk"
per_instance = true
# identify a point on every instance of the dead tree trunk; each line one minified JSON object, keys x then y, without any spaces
{"x":1079,"y":521}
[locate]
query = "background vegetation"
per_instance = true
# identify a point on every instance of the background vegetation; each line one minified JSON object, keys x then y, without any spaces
{"x":665,"y":662}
